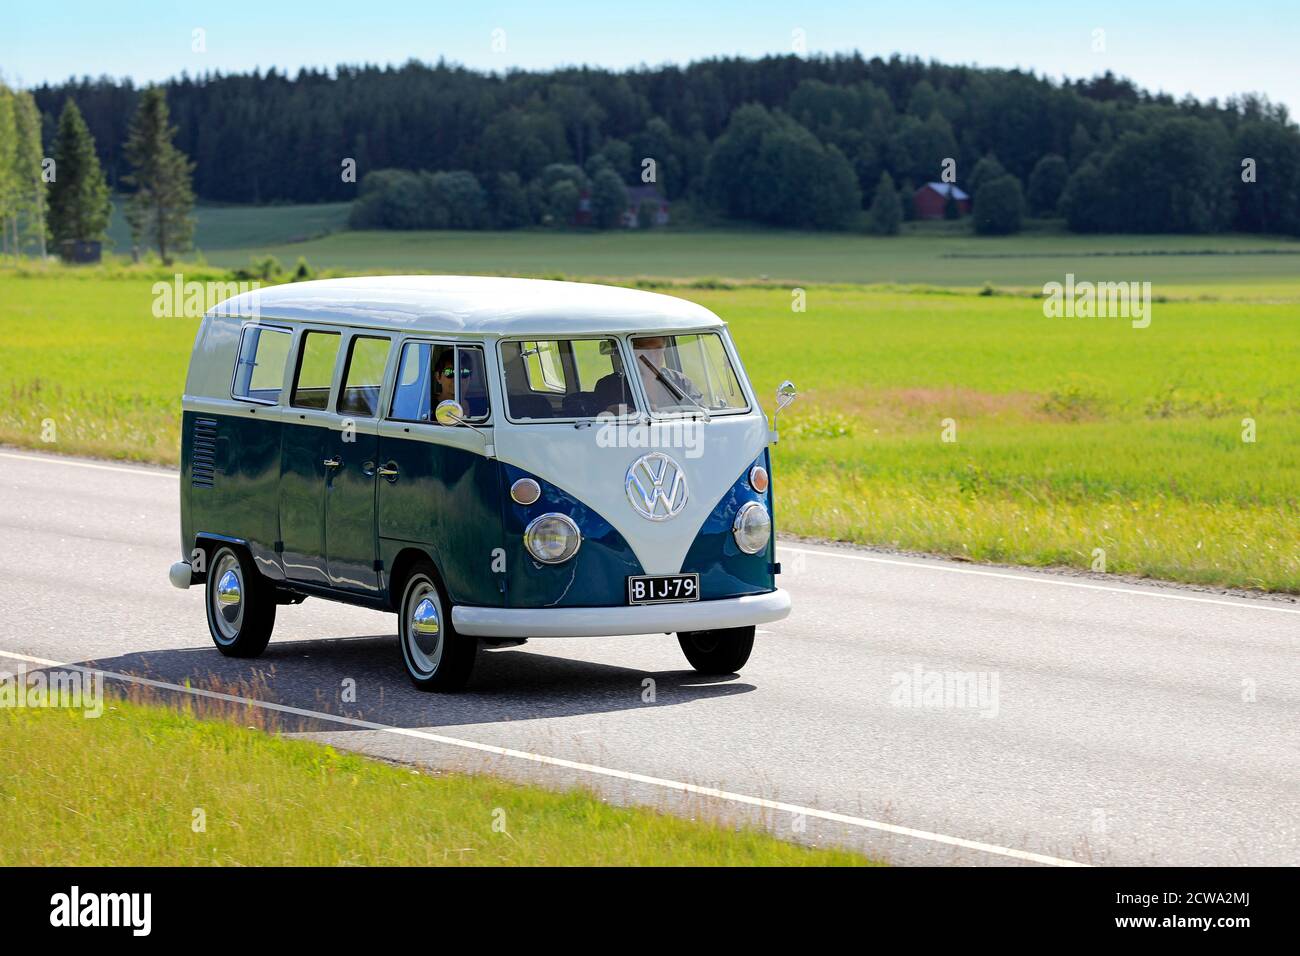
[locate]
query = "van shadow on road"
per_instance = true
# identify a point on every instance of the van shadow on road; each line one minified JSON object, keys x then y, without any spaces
{"x":509,"y":684}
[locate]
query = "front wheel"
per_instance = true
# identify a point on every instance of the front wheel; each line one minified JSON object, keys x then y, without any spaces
{"x":436,"y":657}
{"x":241,"y":605}
{"x":723,"y":651}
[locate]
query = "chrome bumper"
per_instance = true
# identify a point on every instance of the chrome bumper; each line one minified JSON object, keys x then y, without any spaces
{"x":611,"y":621}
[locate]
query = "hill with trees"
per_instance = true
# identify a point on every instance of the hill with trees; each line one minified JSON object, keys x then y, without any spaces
{"x":787,"y":141}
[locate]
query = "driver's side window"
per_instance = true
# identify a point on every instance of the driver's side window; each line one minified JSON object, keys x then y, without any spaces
{"x":432,"y":372}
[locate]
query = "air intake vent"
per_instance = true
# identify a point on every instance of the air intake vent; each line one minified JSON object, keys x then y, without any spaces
{"x":203,"y":455}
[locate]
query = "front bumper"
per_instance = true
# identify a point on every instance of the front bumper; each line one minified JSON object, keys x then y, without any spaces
{"x":611,"y":621}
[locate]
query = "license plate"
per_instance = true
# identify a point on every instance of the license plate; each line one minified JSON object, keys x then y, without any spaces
{"x":663,"y":588}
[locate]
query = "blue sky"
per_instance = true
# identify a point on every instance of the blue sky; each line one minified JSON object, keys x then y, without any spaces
{"x":1207,"y":49}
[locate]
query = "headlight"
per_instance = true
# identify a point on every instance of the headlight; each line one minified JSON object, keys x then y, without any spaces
{"x":752,"y":528}
{"x":552,"y":538}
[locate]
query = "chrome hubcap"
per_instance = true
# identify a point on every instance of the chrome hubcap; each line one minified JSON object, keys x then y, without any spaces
{"x":424,"y":629}
{"x":228,"y":595}
{"x":228,"y":598}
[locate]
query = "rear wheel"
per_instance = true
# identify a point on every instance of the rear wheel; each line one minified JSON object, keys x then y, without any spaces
{"x":241,"y":604}
{"x":436,"y":657}
{"x":723,"y":651}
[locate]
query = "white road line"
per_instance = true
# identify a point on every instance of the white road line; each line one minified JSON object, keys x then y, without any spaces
{"x":73,"y":463}
{"x":727,"y":795}
{"x":924,"y":566}
{"x":1044,"y":579}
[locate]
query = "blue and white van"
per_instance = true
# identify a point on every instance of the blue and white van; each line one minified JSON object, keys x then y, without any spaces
{"x":492,"y":459}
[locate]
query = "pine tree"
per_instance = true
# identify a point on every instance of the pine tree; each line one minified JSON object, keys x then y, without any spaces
{"x":161,"y":208}
{"x":8,"y":168}
{"x":79,"y":202}
{"x":32,"y":200}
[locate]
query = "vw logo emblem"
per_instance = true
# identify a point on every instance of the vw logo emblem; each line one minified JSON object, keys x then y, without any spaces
{"x":656,"y":486}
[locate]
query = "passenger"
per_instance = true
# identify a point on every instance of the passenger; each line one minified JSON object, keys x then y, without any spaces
{"x":665,"y":386}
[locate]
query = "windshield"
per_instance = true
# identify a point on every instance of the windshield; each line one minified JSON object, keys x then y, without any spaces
{"x":682,"y":373}
{"x":565,"y":378}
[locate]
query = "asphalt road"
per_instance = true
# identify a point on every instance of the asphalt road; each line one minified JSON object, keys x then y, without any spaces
{"x":1106,"y":722}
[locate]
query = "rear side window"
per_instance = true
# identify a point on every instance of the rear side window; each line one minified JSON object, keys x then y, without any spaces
{"x":311,"y":381}
{"x":259,"y":371}
{"x":364,"y":377}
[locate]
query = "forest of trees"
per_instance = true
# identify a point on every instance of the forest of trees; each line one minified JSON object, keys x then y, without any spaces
{"x":63,"y":198}
{"x":790,"y":141}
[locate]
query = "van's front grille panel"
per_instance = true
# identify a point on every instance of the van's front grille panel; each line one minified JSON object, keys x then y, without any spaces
{"x":203,"y":452}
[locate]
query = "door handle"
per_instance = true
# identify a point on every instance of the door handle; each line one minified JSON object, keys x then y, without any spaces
{"x":368,"y":469}
{"x":388,"y":471}
{"x":334,"y":462}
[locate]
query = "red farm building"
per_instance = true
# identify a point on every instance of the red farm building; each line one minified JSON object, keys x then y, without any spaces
{"x":929,"y":201}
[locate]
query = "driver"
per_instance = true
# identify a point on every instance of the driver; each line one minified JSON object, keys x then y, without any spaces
{"x":444,"y":376}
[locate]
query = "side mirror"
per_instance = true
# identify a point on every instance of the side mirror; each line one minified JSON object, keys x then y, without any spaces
{"x":785,"y":394}
{"x":449,"y":413}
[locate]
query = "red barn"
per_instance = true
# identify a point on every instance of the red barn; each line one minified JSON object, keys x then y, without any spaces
{"x":635,"y":196}
{"x":929,"y":201}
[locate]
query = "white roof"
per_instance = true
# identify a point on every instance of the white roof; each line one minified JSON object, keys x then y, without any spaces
{"x":477,"y":305}
{"x":944,"y":188}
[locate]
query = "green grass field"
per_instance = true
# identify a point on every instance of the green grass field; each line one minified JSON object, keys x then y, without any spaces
{"x":150,"y":786}
{"x":928,"y":253}
{"x":241,"y":227}
{"x":1071,"y":434}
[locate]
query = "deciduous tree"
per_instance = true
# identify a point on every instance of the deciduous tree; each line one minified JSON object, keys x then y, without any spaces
{"x":29,"y":157}
{"x":886,"y":215}
{"x":9,"y":184}
{"x":608,"y":199}
{"x":1046,"y":184}
{"x":999,"y":205}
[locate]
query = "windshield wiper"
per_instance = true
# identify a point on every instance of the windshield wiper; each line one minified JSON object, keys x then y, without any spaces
{"x":673,"y":388}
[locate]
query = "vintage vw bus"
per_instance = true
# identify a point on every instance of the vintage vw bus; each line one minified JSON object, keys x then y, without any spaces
{"x":492,"y":459}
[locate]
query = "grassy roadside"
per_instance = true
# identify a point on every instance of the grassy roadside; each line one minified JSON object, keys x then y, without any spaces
{"x":126,"y":788}
{"x":1072,"y":437}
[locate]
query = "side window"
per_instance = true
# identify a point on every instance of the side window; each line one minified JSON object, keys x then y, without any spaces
{"x":364,"y":377}
{"x":542,"y":361}
{"x":565,"y":378}
{"x":471,"y":384}
{"x":411,"y":396}
{"x":429,"y":373}
{"x":259,"y":370}
{"x":311,"y":381}
{"x":594,"y":359}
